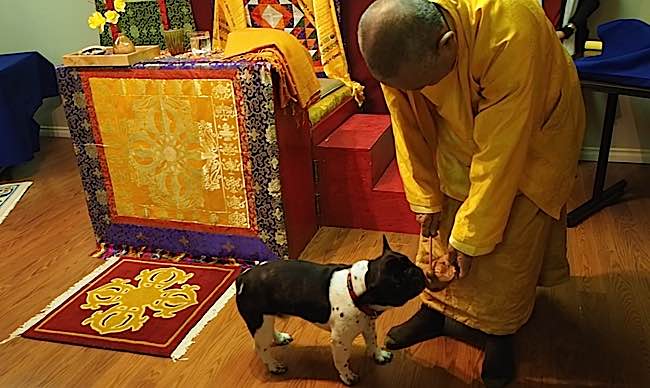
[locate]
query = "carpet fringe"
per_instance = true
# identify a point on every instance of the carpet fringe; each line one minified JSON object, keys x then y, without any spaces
{"x":61,"y":299}
{"x":11,"y":204}
{"x":181,"y":349}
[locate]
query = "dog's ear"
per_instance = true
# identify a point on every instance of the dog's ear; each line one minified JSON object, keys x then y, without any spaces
{"x":386,"y":245}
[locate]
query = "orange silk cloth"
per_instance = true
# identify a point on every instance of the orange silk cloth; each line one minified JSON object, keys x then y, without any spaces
{"x":292,"y":62}
{"x":174,"y":151}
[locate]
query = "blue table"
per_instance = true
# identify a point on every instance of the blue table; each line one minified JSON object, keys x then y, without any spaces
{"x":25,"y":80}
{"x":623,"y":69}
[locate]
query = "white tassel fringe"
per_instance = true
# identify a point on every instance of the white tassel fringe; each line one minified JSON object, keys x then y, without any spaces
{"x":180,"y":350}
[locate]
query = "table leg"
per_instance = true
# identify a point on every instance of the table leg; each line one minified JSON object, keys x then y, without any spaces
{"x":5,"y":173}
{"x":601,"y":198}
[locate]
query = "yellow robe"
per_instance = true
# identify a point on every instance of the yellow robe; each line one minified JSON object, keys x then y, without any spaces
{"x":508,"y":121}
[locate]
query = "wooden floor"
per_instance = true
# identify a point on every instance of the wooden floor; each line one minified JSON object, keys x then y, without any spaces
{"x":591,"y":332}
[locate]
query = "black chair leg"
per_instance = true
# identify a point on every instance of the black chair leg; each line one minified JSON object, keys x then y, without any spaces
{"x":601,"y":198}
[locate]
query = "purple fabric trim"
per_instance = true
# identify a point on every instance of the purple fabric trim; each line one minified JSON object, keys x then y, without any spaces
{"x":194,"y":243}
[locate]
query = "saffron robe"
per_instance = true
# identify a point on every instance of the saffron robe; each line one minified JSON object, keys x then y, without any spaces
{"x":502,"y":131}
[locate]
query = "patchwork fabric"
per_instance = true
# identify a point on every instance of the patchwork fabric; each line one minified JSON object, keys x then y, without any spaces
{"x":142,"y":23}
{"x":290,"y":16}
{"x":165,"y":157}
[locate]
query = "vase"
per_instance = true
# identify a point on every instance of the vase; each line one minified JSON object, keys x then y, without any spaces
{"x":174,"y":41}
{"x":123,"y":45}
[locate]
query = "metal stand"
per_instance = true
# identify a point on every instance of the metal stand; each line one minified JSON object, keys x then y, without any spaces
{"x":601,"y":197}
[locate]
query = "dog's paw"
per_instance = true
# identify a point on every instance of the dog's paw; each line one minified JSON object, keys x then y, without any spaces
{"x":278,"y":368}
{"x":383,"y":357}
{"x":282,"y":339}
{"x":349,"y":378}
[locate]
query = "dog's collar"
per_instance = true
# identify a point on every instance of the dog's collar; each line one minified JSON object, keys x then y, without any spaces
{"x":373,"y":314}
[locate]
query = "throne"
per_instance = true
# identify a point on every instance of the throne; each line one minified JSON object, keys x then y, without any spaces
{"x":196,"y":159}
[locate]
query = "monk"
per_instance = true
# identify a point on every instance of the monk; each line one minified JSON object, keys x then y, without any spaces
{"x":488,"y":120}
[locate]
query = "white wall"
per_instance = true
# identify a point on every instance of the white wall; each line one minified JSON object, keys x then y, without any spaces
{"x":51,"y":27}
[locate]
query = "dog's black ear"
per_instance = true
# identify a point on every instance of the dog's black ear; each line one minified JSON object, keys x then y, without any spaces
{"x":386,"y":245}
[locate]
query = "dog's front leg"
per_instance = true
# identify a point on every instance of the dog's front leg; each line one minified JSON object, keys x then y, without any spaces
{"x":381,"y":357}
{"x":342,"y":338}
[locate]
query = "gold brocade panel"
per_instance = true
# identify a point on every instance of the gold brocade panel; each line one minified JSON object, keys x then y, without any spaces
{"x":173,"y":150}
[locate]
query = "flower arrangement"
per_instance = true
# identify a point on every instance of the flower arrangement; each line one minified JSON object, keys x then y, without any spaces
{"x":98,"y":21}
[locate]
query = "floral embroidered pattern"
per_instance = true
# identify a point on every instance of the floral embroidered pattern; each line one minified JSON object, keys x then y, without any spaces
{"x":212,"y":170}
{"x":156,"y":135}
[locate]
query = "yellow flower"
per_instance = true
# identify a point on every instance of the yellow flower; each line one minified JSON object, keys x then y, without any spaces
{"x":119,"y":5}
{"x":280,"y":238}
{"x":274,"y":187}
{"x":96,"y":20}
{"x":112,"y":17}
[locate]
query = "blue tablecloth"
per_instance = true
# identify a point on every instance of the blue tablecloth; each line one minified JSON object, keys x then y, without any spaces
{"x":25,"y":80}
{"x":626,"y":55}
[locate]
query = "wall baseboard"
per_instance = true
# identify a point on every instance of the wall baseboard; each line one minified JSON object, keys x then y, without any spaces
{"x":55,"y":131}
{"x":618,"y":155}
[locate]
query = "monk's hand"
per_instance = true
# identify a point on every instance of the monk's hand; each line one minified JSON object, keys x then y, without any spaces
{"x":560,"y":35}
{"x":429,"y":223}
{"x":461,"y":260}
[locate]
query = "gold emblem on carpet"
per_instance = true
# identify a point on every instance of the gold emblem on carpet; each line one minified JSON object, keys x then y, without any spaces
{"x":129,"y":302}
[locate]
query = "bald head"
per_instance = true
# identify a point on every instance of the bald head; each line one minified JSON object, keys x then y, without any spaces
{"x":394,"y":32}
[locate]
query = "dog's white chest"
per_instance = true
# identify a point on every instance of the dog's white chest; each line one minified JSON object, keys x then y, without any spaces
{"x":343,"y":311}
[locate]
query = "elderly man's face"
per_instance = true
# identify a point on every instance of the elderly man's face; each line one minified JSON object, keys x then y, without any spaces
{"x":427,"y":70}
{"x":417,"y":75}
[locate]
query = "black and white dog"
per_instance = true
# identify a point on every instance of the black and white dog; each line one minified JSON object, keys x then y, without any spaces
{"x":341,"y":298}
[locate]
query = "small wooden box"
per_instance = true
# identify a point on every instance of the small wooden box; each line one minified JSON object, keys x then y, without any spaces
{"x":142,"y":53}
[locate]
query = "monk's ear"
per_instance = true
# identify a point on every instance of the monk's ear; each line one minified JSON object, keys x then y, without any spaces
{"x":446,"y":40}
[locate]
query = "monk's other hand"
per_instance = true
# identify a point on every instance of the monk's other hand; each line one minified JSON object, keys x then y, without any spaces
{"x":560,"y":35}
{"x":463,"y":261}
{"x":429,"y":223}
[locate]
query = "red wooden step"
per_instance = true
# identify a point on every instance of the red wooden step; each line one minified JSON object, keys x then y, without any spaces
{"x":354,"y":159}
{"x":390,"y":181}
{"x":370,"y":136}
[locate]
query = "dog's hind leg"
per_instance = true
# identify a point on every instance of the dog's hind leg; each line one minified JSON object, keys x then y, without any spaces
{"x":264,"y":339}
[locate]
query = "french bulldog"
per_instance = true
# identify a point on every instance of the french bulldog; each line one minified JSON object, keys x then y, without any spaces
{"x":344,"y":299}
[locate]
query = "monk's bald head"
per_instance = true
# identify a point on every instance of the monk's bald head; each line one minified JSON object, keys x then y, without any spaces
{"x":396,"y":31}
{"x":393,"y":33}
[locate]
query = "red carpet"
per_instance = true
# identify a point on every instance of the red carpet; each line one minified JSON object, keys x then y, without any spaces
{"x":137,"y":305}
